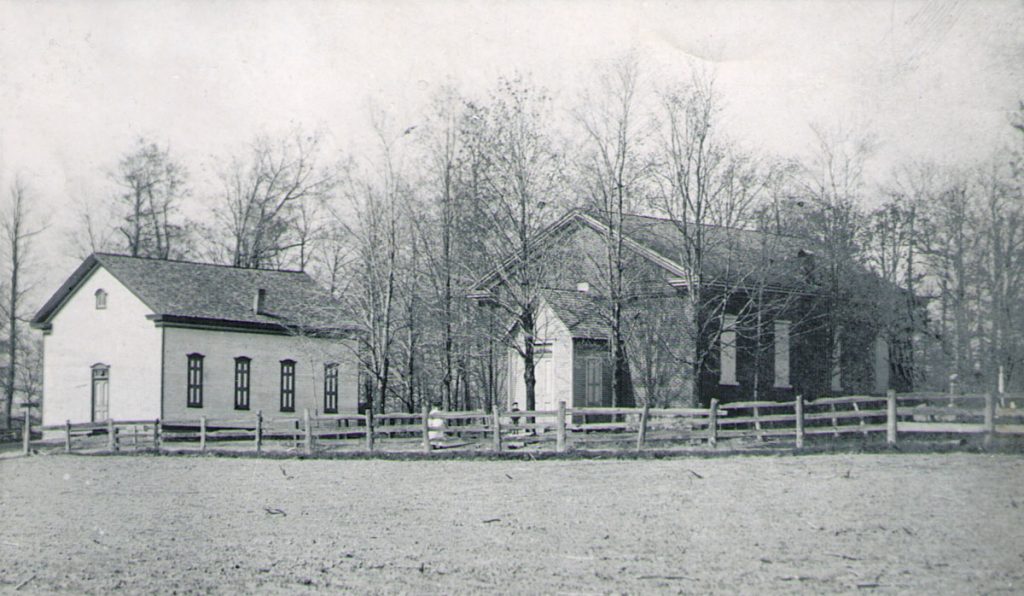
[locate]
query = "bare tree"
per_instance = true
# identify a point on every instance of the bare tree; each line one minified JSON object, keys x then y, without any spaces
{"x":1001,"y":266}
{"x":826,"y":210}
{"x":18,"y":227}
{"x":614,"y":172}
{"x":948,"y":249}
{"x":152,"y":185}
{"x":29,"y":376}
{"x":373,"y":203}
{"x":270,"y":199}
{"x":517,"y":176}
{"x":443,"y":140}
{"x":705,"y":185}
{"x":91,"y":230}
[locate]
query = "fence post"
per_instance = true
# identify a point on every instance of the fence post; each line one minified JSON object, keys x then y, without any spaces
{"x":259,"y":431}
{"x":156,"y":435}
{"x":835,"y":421}
{"x":799,"y":407}
{"x":1001,"y":386}
{"x":713,"y":424}
{"x":641,"y":433}
{"x":110,"y":435}
{"x":369,"y":429}
{"x":426,"y":427}
{"x":67,"y":436}
{"x":496,"y":427}
{"x":560,"y":428}
{"x":990,"y":418}
{"x":308,"y":446}
{"x":757,"y":423}
{"x":202,"y":433}
{"x":890,"y":422}
{"x":26,"y":433}
{"x":856,"y":408}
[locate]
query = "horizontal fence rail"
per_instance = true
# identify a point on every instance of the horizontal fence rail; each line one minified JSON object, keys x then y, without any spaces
{"x":789,"y":422}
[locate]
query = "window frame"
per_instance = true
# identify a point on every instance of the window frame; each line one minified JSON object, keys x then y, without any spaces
{"x":100,"y":296}
{"x":194,"y":380}
{"x":243,"y":382}
{"x":331,"y":387}
{"x":99,"y":372}
{"x":593,"y":381}
{"x":287,"y":403}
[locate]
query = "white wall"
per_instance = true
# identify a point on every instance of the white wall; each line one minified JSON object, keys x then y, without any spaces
{"x":119,"y":336}
{"x":553,"y":371}
{"x":220,"y":348}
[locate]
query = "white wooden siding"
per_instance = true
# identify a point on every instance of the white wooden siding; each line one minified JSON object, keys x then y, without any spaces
{"x":220,"y":348}
{"x":119,"y":336}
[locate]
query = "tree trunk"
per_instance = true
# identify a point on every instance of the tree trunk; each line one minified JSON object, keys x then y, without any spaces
{"x":12,"y":311}
{"x":529,"y":372}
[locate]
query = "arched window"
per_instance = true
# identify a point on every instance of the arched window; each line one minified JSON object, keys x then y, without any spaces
{"x":101,"y":299}
{"x":195,"y":381}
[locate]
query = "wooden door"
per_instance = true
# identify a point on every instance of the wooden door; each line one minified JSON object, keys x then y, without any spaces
{"x":100,"y":393}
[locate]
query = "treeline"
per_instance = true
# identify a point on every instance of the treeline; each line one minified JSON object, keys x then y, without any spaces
{"x":399,"y":231}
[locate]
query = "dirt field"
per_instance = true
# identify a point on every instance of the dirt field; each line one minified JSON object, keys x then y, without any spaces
{"x":949,"y":523}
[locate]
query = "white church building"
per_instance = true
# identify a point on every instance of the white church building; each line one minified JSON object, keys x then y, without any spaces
{"x":129,"y":338}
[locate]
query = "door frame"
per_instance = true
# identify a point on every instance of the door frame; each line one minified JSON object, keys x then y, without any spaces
{"x":93,"y":377}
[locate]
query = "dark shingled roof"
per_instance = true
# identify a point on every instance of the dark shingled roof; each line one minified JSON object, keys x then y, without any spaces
{"x":180,"y":291}
{"x":731,"y":255}
{"x":580,"y":312}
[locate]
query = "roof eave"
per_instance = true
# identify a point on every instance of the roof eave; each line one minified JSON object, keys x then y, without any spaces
{"x":42,"y":318}
{"x":164,"y":320}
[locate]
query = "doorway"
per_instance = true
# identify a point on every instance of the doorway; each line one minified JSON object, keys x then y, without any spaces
{"x":100,"y":392}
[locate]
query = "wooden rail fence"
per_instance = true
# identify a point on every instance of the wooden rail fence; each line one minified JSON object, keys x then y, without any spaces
{"x":554,"y":430}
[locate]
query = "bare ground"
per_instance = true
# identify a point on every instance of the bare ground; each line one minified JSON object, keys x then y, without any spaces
{"x":939,"y":523}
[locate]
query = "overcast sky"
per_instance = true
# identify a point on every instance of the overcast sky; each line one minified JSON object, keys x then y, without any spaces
{"x":80,"y":80}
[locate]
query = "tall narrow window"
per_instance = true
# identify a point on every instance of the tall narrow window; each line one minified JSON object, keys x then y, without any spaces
{"x":331,"y":388}
{"x":195,"y":380}
{"x":101,"y":299}
{"x":242,"y":374}
{"x":782,"y":354}
{"x":594,"y":387}
{"x":287,"y":385}
{"x":727,"y":351}
{"x":881,"y":365}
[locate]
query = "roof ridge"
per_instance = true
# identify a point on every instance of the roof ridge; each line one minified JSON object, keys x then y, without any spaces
{"x":710,"y":225}
{"x":101,"y":254}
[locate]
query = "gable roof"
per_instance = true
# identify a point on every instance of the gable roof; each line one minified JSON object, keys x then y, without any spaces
{"x":732,"y":256}
{"x":579,"y":312}
{"x":217,"y":295}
